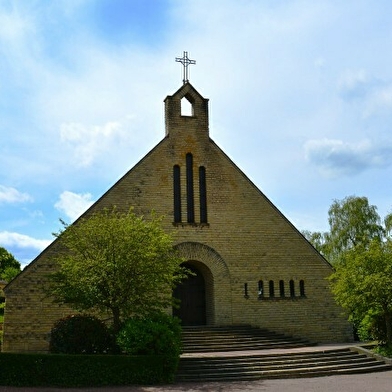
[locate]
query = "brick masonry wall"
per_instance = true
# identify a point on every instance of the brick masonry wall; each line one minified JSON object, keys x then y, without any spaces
{"x":246,"y":240}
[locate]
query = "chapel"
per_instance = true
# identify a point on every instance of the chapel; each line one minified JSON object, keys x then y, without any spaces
{"x":251,"y":265}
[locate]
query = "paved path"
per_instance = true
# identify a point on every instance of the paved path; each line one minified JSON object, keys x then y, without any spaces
{"x":373,"y":382}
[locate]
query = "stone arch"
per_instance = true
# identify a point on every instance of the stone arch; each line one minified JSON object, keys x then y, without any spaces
{"x":217,"y":280}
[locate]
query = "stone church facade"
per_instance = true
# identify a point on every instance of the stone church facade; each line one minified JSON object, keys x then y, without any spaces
{"x":252,"y":266}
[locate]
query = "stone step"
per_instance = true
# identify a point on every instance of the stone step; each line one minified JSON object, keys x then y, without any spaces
{"x":249,"y":336}
{"x":211,"y":339}
{"x":207,"y":368}
{"x":293,"y":373}
{"x":253,"y":367}
{"x":221,"y":330}
{"x":241,"y":347}
{"x":227,"y":353}
{"x":285,"y":358}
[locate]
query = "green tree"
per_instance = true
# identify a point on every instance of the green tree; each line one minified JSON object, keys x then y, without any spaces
{"x":362,"y":284}
{"x":352,"y":221}
{"x":118,"y":263}
{"x":317,"y":239}
{"x":359,"y":245}
{"x":388,"y":225}
{"x":9,"y":266}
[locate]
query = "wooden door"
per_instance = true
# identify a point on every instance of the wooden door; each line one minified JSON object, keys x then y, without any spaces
{"x":191,"y":293}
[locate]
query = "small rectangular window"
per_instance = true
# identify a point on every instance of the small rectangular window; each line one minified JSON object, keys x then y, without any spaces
{"x":302,"y":288}
{"x":292,"y":288}
{"x":260,"y":289}
{"x":281,"y":288}
{"x":246,"y":295}
{"x":271,"y":289}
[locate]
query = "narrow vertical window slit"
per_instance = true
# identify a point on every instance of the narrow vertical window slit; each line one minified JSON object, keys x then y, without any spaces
{"x":302,"y":288}
{"x":292,"y":288}
{"x":246,"y":295}
{"x":271,"y":289}
{"x":203,"y":194}
{"x":177,"y":193}
{"x":281,"y":288}
{"x":260,"y":289}
{"x":189,"y":188}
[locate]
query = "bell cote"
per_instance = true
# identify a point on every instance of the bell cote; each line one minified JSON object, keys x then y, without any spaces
{"x":186,"y":112}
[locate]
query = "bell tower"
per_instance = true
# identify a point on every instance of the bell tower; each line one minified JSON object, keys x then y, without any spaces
{"x":186,"y":112}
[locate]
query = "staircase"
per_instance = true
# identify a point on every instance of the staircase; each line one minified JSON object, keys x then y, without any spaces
{"x":245,"y":353}
{"x":235,"y":338}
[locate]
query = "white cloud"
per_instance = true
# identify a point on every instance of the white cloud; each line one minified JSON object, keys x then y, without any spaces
{"x":11,"y":239}
{"x":353,"y":84}
{"x":88,"y":142}
{"x":374,"y":94}
{"x":12,"y":195}
{"x":335,"y":157}
{"x":12,"y":26}
{"x":74,"y":204}
{"x":380,"y":101}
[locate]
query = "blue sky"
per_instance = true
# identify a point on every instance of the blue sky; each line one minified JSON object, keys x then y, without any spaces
{"x":300,"y":98}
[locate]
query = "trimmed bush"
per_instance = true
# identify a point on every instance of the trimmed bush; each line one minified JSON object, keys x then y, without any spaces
{"x":160,"y":347}
{"x":44,"y":370}
{"x":158,"y":334}
{"x":81,"y":334}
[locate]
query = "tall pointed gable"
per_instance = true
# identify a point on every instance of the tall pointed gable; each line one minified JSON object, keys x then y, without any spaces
{"x":195,"y":121}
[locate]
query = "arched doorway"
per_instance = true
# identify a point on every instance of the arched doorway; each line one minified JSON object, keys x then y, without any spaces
{"x":192,"y":295}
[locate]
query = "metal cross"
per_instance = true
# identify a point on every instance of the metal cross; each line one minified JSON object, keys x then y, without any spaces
{"x":185,"y":61}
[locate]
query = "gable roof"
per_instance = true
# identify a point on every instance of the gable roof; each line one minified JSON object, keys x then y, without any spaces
{"x":172,"y":109}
